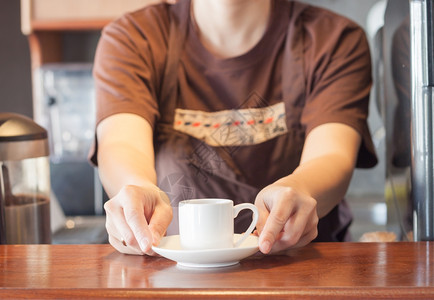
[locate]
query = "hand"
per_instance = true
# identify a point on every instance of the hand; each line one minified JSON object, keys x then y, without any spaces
{"x":287,"y":218}
{"x":137,"y":218}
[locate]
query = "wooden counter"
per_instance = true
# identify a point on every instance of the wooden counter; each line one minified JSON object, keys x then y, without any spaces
{"x":329,"y":270}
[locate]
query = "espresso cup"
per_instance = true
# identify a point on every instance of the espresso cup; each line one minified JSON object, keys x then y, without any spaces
{"x":209,"y":223}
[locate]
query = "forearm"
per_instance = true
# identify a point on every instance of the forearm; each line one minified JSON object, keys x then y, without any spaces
{"x":326,"y":179}
{"x":123,"y":165}
{"x":326,"y":166}
{"x":138,"y":213}
{"x":125,"y":152}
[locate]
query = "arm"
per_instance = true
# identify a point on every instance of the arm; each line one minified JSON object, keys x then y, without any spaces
{"x":138,"y":212}
{"x":290,"y":207}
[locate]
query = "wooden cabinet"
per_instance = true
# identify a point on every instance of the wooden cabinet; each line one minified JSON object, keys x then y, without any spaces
{"x":44,"y":21}
{"x":47,"y":22}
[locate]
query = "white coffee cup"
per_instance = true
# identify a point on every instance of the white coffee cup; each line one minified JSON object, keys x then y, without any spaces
{"x":209,"y":223}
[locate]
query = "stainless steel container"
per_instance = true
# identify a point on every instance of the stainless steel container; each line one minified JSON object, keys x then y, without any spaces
{"x":408,"y":56}
{"x":24,"y":181}
{"x":422,"y":87}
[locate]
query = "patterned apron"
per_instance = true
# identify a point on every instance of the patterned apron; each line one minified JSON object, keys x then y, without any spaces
{"x":188,"y":167}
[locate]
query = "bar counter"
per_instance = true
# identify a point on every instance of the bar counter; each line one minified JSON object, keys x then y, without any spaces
{"x":401,"y":270}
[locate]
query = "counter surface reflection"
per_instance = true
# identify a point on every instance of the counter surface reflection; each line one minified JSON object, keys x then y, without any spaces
{"x":331,"y":270}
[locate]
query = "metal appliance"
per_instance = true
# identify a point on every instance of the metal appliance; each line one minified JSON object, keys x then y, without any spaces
{"x":24,"y":181}
{"x":407,"y":72}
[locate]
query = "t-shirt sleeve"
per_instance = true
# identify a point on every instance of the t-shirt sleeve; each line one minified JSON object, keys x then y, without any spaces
{"x":127,"y":67}
{"x":338,"y":81}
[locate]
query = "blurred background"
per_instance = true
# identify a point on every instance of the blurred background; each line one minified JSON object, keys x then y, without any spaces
{"x":366,"y":193}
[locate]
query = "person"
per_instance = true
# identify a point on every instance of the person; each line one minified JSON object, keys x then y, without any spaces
{"x":262,"y":101}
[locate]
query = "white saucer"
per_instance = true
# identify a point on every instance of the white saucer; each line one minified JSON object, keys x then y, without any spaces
{"x":170,"y":247}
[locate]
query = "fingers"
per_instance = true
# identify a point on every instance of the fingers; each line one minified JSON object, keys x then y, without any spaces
{"x":134,"y":213}
{"x":126,"y":219}
{"x":123,"y":248}
{"x":160,"y":220}
{"x":287,"y":218}
{"x":161,"y":217}
{"x":118,"y":229}
{"x":281,"y":245}
{"x":309,"y":232}
{"x":274,"y":200}
{"x":263,"y":216}
{"x":279,"y":215}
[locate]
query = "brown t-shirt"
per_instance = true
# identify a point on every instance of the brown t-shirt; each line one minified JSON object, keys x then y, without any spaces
{"x":237,"y":124}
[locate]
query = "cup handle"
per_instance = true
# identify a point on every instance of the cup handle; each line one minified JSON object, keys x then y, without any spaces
{"x":237,"y":209}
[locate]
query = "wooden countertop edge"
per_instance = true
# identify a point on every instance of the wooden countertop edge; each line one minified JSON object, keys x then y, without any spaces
{"x":362,"y":292}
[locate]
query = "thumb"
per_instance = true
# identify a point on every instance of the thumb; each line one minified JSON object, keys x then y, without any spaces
{"x":264,"y":213}
{"x":264,"y":202}
{"x":274,"y":215}
{"x":160,"y":220}
{"x":263,"y":216}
